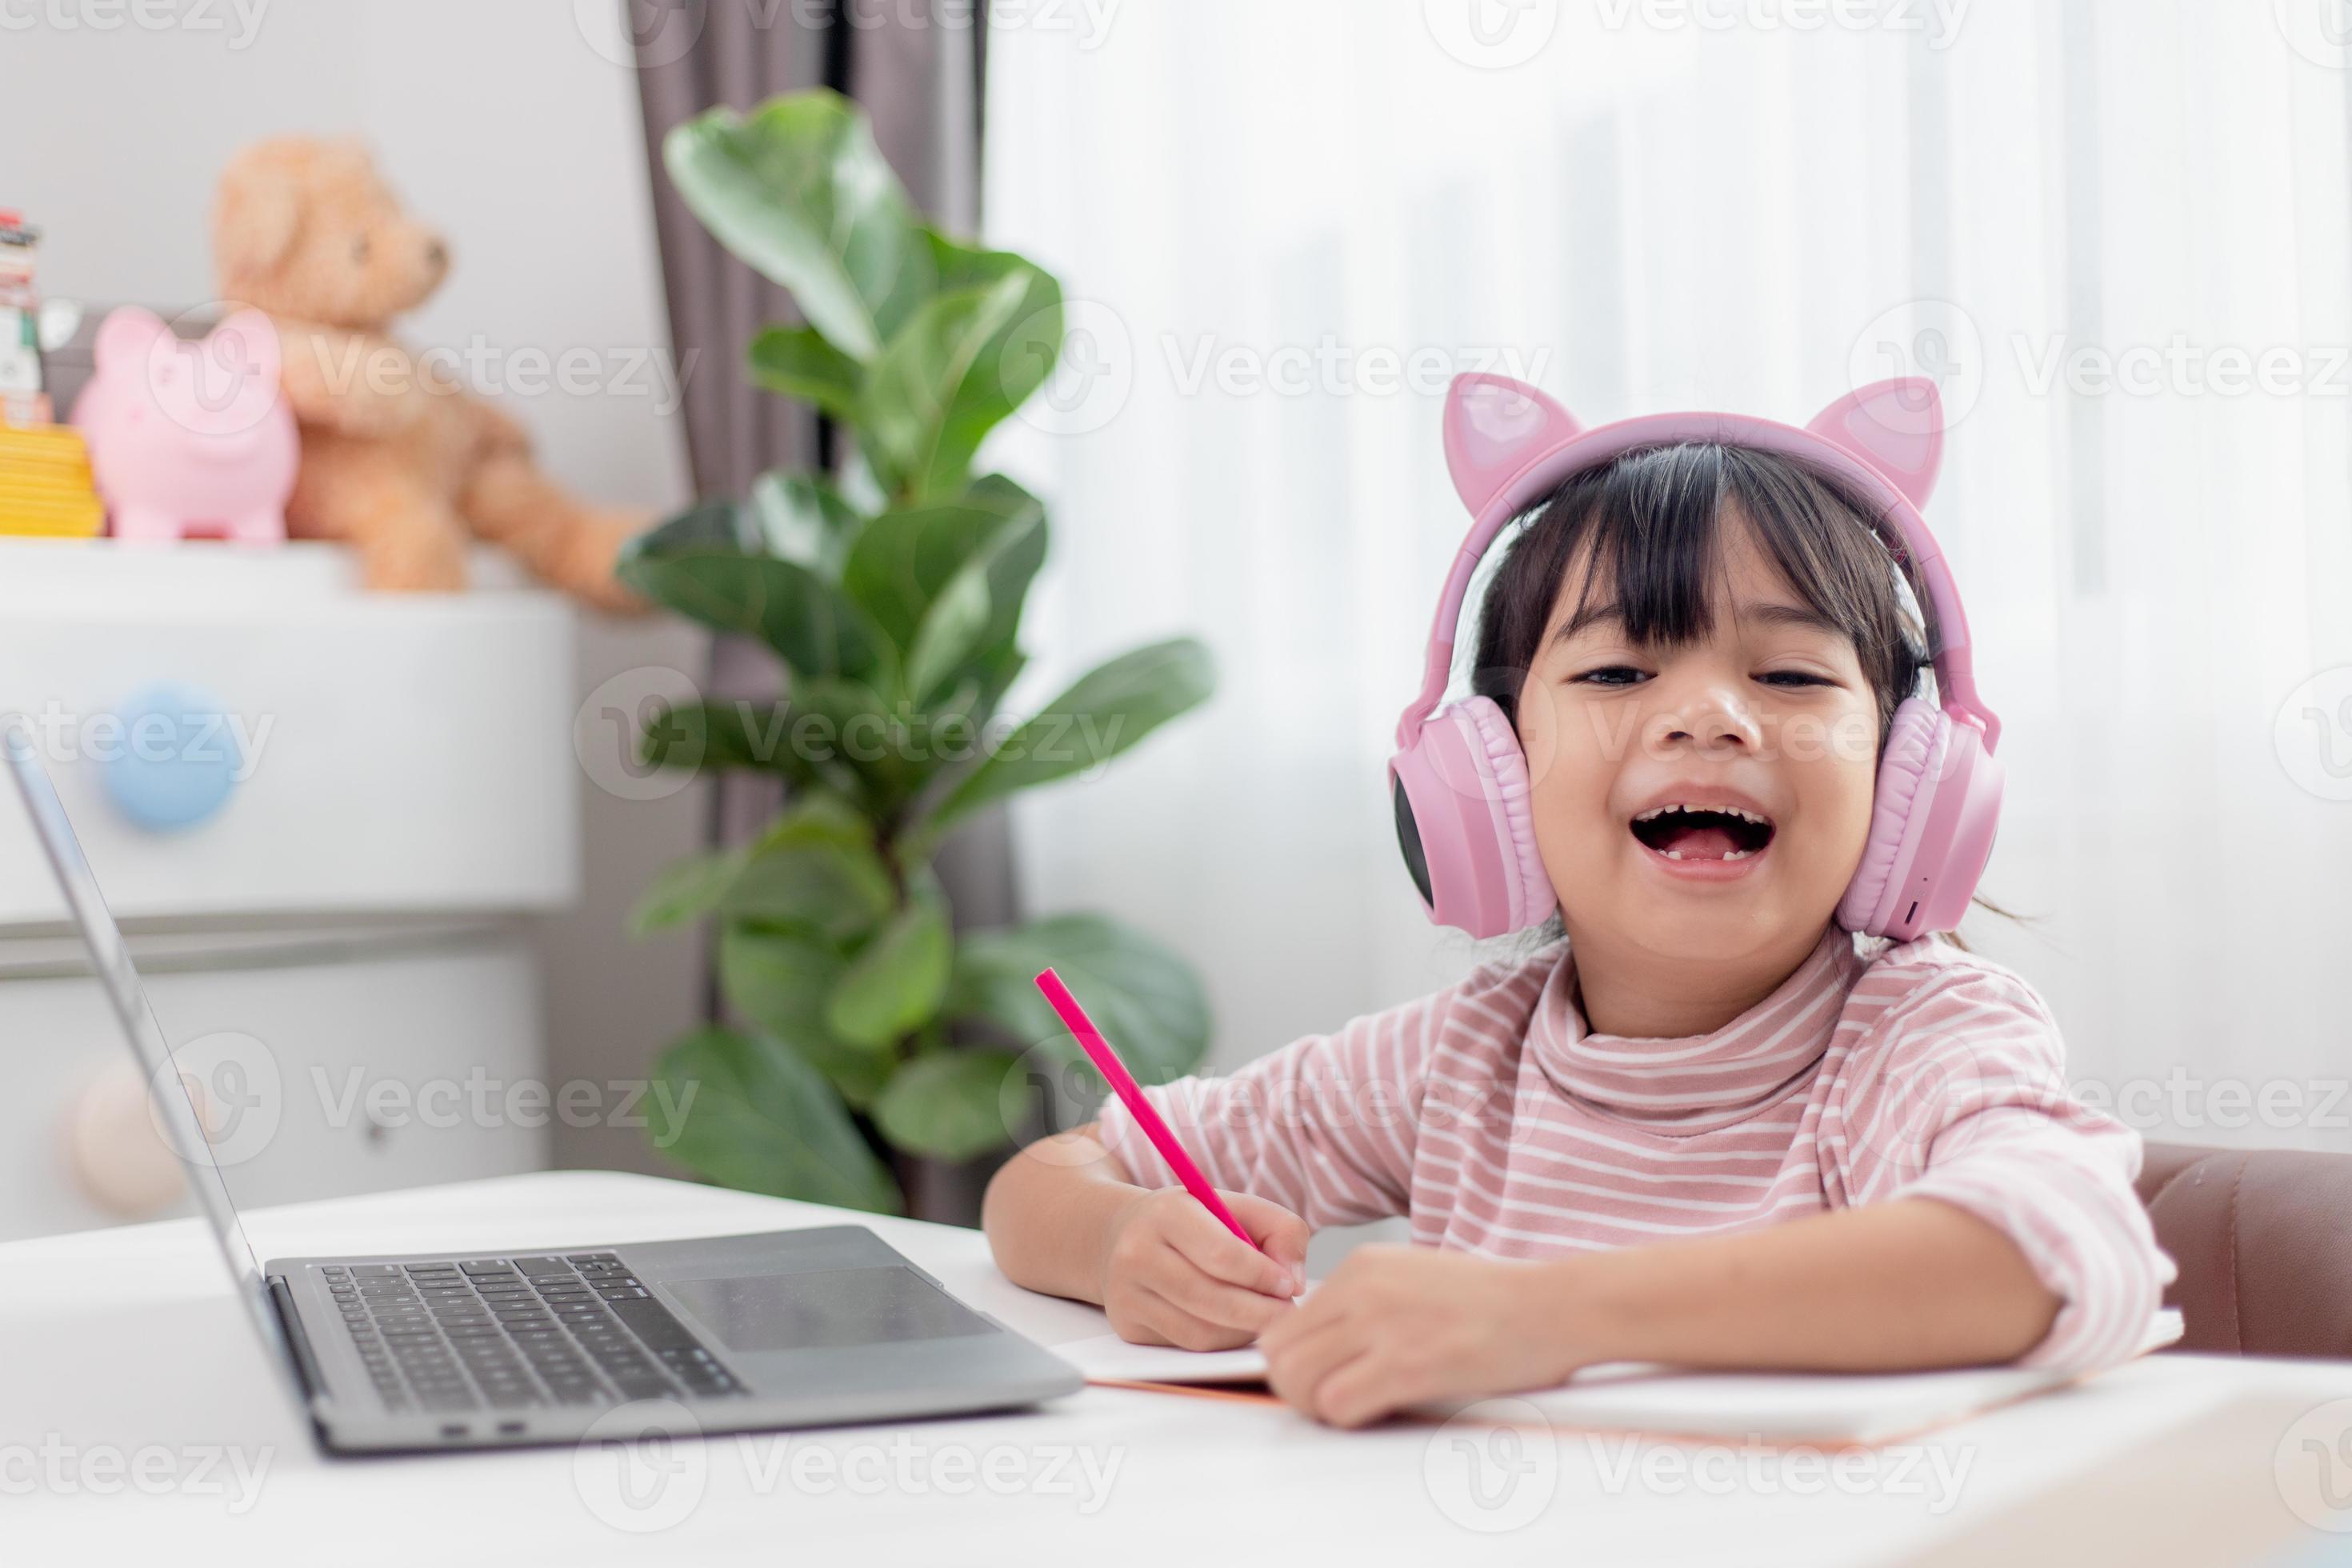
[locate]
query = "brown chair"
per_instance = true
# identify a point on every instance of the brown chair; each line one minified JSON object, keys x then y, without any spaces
{"x":2263,"y":1238}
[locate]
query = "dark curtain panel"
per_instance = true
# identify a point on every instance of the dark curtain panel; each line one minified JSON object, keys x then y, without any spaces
{"x":921,"y":84}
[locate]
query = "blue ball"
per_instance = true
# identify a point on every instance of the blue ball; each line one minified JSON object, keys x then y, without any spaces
{"x":174,"y":758}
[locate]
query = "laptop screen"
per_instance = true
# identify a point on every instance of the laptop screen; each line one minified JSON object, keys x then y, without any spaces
{"x":174,"y":1107}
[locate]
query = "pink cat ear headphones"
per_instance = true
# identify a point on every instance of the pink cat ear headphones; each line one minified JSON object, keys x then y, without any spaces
{"x":1460,"y":783}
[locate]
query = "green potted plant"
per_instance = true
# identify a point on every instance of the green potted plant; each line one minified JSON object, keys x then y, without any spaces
{"x":867,"y":1033}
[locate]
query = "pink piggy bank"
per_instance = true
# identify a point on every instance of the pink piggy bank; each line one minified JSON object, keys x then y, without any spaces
{"x":189,"y":438}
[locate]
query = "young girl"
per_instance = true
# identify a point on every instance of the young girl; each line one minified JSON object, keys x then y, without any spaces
{"x":1711,"y":1119}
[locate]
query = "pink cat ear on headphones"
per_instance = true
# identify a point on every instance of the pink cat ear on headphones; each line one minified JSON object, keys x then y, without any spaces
{"x":1495,"y":426}
{"x":1895,"y":427}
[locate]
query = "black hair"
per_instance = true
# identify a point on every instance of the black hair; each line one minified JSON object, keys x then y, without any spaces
{"x":1651,"y":523}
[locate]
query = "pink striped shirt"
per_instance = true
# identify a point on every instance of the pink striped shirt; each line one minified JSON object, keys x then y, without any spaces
{"x":1497,"y":1123}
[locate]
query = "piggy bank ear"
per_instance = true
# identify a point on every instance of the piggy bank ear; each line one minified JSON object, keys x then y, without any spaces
{"x":246,"y":342}
{"x":1896,"y":426}
{"x":125,"y":337}
{"x":1493,"y":427}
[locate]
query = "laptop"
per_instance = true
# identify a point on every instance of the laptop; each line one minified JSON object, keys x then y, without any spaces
{"x":449,"y":1349}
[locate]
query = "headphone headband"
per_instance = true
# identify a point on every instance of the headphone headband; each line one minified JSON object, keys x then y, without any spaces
{"x":1507,"y":445}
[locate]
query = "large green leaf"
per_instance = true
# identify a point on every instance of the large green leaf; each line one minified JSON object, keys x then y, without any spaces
{"x":802,"y":518}
{"x":817,"y":817}
{"x":814,"y":627}
{"x":780,"y":981}
{"x":970,"y":694}
{"x":970,"y":625}
{"x":799,"y":362}
{"x":1148,"y":1002}
{"x":950,"y":631}
{"x":935,"y":389}
{"x":947,"y":583}
{"x":763,"y":1120}
{"x":798,"y":190}
{"x":687,"y":891}
{"x":1019,"y":359}
{"x":947,"y":1104}
{"x":849,"y":725}
{"x":903,"y":558}
{"x":740,"y":734}
{"x":990,"y":676}
{"x":700,"y":884}
{"x":1012,"y":568}
{"x":894,"y":984}
{"x":832,"y":888}
{"x":1103,"y":714}
{"x":719,"y":525}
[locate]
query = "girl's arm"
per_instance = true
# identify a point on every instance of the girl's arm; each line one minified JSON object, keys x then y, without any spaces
{"x":1983,"y":1216}
{"x":1901,"y":1284}
{"x":1319,"y":1133}
{"x":1912,"y":1283}
{"x":1909,"y":1284}
{"x":1049,"y":1212}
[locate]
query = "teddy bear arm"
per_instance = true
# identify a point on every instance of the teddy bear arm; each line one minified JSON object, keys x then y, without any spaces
{"x":346,"y":381}
{"x":368,"y":496}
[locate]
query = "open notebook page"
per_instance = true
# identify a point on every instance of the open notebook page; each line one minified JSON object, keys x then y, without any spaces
{"x":1851,"y":1408}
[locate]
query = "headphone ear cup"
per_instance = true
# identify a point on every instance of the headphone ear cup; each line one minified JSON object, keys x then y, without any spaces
{"x":1531,"y":895}
{"x":1931,"y":828}
{"x":1465,"y":823}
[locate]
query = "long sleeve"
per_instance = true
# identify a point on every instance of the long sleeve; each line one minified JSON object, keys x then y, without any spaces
{"x":1960,"y":1094}
{"x":1326,"y":1126}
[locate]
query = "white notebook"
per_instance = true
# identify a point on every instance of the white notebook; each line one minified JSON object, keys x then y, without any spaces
{"x":1826,"y":1407}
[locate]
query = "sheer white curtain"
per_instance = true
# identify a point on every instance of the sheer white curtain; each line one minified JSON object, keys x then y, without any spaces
{"x":2118,"y":236}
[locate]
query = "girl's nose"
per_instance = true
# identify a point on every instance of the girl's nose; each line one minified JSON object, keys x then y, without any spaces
{"x":1711,"y":716}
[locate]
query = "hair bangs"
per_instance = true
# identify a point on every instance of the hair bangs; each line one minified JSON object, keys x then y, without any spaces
{"x":1648,"y":536}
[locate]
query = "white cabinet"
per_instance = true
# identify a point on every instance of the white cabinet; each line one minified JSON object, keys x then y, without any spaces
{"x":324,"y":849}
{"x":381,"y":753}
{"x":384,"y":1059}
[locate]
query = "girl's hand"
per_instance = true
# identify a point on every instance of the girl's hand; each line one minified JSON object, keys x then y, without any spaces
{"x":1173,"y":1275}
{"x":1395,"y":1326}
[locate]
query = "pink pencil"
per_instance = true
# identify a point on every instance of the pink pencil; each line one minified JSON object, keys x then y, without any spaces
{"x":1123,"y":1083}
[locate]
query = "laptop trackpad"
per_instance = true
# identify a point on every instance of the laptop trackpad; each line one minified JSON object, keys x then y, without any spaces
{"x":829,"y":1308}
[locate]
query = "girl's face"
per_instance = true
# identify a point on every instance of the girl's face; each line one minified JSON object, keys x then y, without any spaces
{"x":1708,"y":801}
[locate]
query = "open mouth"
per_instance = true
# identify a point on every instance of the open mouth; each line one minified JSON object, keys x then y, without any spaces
{"x":1703,"y":832}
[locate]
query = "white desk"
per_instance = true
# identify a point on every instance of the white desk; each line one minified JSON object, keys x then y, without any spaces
{"x":124,"y":1347}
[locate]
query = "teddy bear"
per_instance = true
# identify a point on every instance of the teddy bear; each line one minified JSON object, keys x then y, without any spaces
{"x":398,"y":459}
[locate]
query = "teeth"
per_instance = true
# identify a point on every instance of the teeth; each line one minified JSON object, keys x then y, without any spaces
{"x":1658,"y":811}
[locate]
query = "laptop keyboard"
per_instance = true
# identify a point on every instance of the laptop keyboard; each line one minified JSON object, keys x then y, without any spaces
{"x":504,"y":1333}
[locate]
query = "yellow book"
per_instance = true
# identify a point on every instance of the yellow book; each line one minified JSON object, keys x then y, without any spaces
{"x":84,"y":521}
{"x":42,"y":457}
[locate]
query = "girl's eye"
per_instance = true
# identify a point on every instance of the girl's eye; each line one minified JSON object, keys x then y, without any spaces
{"x":1613,"y":675}
{"x":1793,"y":678}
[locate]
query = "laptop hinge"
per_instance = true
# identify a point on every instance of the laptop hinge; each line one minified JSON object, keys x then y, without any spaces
{"x":306,"y":1367}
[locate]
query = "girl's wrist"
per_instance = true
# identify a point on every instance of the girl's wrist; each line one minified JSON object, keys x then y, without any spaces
{"x":1118,"y":1208}
{"x":1582,"y":1310}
